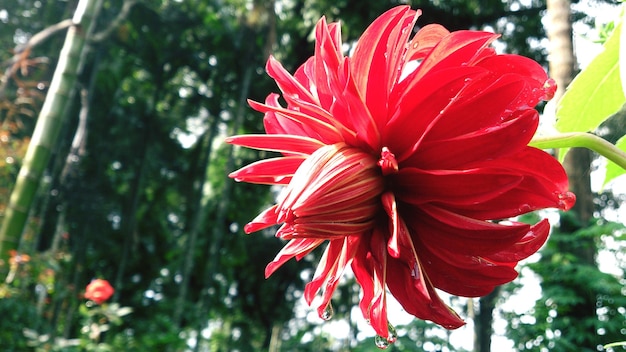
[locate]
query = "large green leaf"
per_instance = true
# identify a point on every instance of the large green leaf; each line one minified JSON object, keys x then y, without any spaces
{"x":612,"y":169}
{"x":622,"y":53}
{"x":595,"y":94}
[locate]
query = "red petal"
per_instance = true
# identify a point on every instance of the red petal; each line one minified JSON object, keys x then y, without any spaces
{"x":486,"y":144}
{"x":378,"y":308}
{"x":327,"y":60}
{"x":459,"y":48}
{"x":425,"y":40}
{"x":544,"y":185}
{"x":378,"y":58}
{"x":389,"y":204}
{"x":525,"y":247}
{"x":483,"y":104}
{"x":439,"y":228}
{"x":363,"y":272}
{"x":337,"y":256}
{"x":463,"y":275}
{"x":368,"y":266}
{"x":282,"y":143}
{"x":290,"y":87}
{"x":262,"y":221}
{"x":297,"y":248}
{"x":421,"y":103}
{"x":520,"y":200}
{"x":400,"y":284}
{"x":278,"y":125}
{"x":400,"y":245}
{"x":322,"y":230}
{"x":313,"y":126}
{"x":537,"y":164}
{"x":275,"y":171}
{"x":352,"y":112}
{"x":525,"y":68}
{"x":465,"y":187}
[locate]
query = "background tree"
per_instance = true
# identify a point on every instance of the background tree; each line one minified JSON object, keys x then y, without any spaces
{"x":578,"y":299}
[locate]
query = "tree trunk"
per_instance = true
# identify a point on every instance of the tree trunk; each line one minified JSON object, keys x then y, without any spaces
{"x":577,"y":163}
{"x":47,"y":129}
{"x":561,"y":49}
{"x":129,"y":216}
{"x":483,"y":321}
{"x":218,"y":226}
{"x":198,"y":205}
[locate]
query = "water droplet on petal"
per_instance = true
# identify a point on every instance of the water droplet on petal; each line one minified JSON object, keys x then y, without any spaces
{"x":549,"y":88}
{"x":525,"y":208}
{"x":393,"y":334}
{"x":381,"y":342}
{"x":327,"y":314}
{"x":566,"y":200}
{"x":415,"y":272}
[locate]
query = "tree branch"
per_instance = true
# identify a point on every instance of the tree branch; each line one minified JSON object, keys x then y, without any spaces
{"x":41,"y":37}
{"x":117,"y":21}
{"x":22,"y":51}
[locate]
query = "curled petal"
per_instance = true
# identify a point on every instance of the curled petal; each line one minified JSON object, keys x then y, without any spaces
{"x":455,"y":187}
{"x":372,"y":257}
{"x":540,"y":86}
{"x":269,"y":171}
{"x":484,"y":104}
{"x":486,"y":144}
{"x":297,"y":122}
{"x":427,"y":98}
{"x":290,"y":87}
{"x":461,"y":48}
{"x":297,"y":248}
{"x":439,"y":228}
{"x":268,"y":218}
{"x":382,"y":46}
{"x":279,"y":143}
{"x":334,"y":261}
{"x":337,"y":175}
{"x":544,"y":185}
{"x":427,"y":307}
{"x":425,"y":40}
{"x":467,"y":276}
{"x":526,"y":246}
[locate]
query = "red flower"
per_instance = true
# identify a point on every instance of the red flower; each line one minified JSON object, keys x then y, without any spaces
{"x":99,"y":291}
{"x":16,"y":258}
{"x":403,"y":157}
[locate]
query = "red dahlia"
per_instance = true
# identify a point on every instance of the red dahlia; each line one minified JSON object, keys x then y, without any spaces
{"x":404,"y":157}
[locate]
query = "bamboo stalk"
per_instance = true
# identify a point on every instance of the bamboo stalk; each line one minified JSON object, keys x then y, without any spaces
{"x":51,"y":118}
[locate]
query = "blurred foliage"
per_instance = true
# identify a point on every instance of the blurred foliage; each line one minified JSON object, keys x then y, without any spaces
{"x":559,"y":319}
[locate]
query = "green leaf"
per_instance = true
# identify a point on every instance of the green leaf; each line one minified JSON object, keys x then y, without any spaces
{"x":596,"y":92}
{"x":622,"y":53}
{"x":612,"y":169}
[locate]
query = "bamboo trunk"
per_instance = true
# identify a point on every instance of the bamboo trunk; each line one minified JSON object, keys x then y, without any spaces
{"x":51,"y":118}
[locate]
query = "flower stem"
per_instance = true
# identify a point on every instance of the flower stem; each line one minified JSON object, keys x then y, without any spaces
{"x":584,"y":140}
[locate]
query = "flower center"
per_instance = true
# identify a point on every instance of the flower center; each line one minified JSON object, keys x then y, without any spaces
{"x":334,"y":192}
{"x":387,"y":162}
